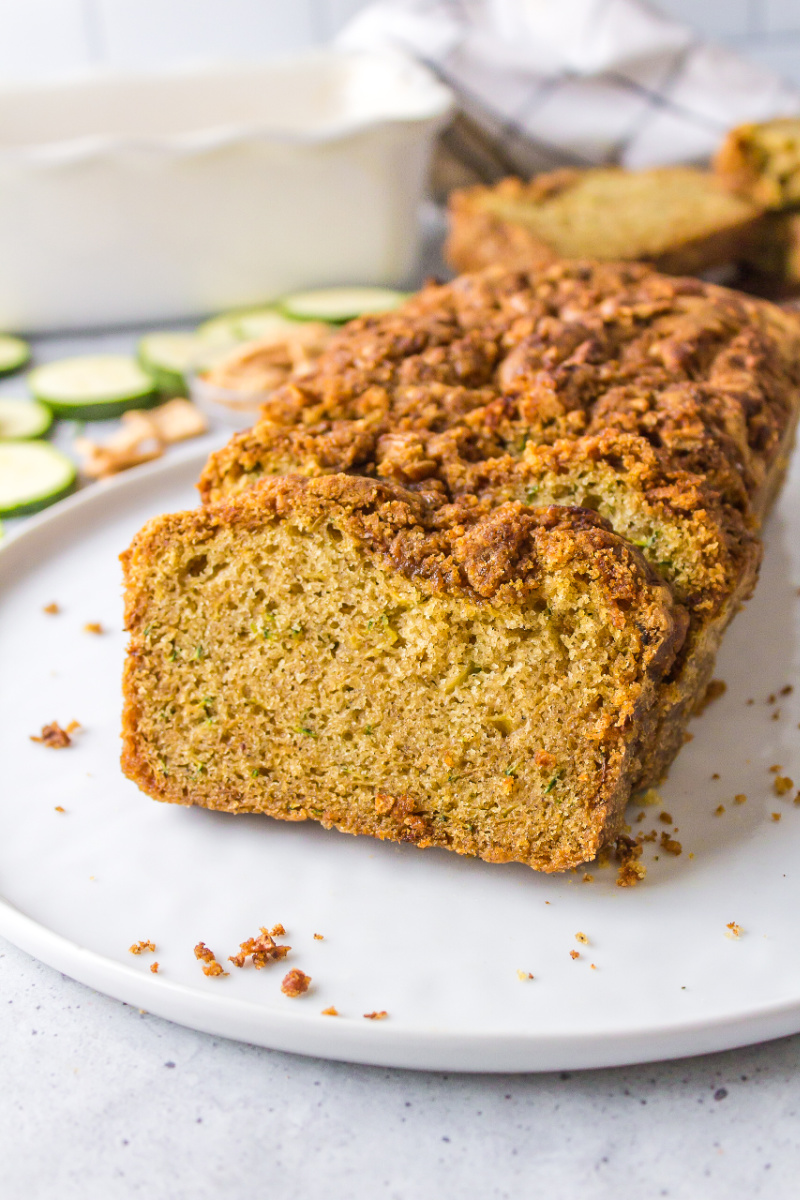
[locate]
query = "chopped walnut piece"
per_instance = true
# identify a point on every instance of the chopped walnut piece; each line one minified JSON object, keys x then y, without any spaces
{"x":782,"y":785}
{"x":176,"y":421}
{"x":261,"y":366}
{"x":142,"y":437}
{"x":581,"y":937}
{"x":51,"y":609}
{"x":154,"y":968}
{"x":740,"y":798}
{"x":670,"y":845}
{"x":524,"y":974}
{"x":54,"y":736}
{"x":715,"y":689}
{"x":140,"y":947}
{"x":201,"y":950}
{"x":574,"y":954}
{"x":295,"y":983}
{"x":261,"y":950}
{"x":377,"y":1016}
{"x":732,"y":930}
{"x":93,"y":627}
{"x":330,"y":1012}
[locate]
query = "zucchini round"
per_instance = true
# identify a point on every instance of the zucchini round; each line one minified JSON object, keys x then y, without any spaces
{"x":93,"y":387}
{"x":33,"y":475}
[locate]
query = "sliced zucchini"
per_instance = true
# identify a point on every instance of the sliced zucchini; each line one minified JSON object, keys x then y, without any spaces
{"x":94,"y":387}
{"x":14,"y":353}
{"x":247,"y":325}
{"x":337,"y":304}
{"x":168,"y":357}
{"x":23,"y":419}
{"x":32,"y":475}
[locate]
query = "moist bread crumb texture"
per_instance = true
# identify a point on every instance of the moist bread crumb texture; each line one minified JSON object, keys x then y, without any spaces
{"x":464,"y":584}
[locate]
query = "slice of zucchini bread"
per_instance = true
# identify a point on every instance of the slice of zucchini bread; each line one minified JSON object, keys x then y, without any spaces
{"x":680,"y":219}
{"x":399,"y":664}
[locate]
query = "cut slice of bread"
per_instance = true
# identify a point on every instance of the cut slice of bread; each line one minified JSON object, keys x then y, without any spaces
{"x":761,"y":162}
{"x":388,"y":663}
{"x":680,"y":219}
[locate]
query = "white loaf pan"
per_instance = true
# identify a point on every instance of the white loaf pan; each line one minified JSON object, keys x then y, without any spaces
{"x":127,"y":199}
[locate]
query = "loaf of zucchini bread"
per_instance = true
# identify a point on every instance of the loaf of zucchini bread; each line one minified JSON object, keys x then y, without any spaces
{"x":465,"y":582}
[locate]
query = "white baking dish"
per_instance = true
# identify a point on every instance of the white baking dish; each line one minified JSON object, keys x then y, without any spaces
{"x":128,"y":199}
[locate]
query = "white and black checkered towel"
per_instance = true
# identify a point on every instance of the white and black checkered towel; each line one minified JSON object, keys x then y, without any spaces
{"x":546,"y":83}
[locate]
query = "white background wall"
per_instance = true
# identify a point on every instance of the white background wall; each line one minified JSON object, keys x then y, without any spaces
{"x":39,"y":38}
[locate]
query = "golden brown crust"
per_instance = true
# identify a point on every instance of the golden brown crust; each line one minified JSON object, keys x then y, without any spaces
{"x":500,"y":359}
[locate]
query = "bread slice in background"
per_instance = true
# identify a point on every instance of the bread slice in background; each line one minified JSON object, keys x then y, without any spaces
{"x":680,"y":219}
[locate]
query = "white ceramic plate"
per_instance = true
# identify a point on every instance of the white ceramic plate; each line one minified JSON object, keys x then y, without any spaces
{"x":433,"y":939}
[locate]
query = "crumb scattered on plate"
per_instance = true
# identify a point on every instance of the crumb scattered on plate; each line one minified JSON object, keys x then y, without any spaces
{"x":377,"y":1016}
{"x":140,"y":947}
{"x":740,"y":798}
{"x":732,"y":930}
{"x":260,"y":950}
{"x":782,"y":785}
{"x":319,"y":937}
{"x":295,"y":983}
{"x":581,"y":937}
{"x":55,"y":737}
{"x":330,"y":1012}
{"x":524,"y":974}
{"x":51,"y":609}
{"x":60,"y":808}
{"x":574,"y":954}
{"x":154,"y":968}
{"x":212,"y":967}
{"x":93,"y":627}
